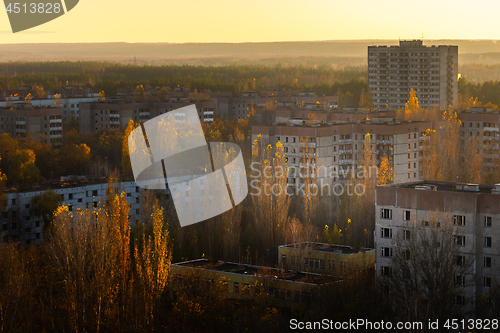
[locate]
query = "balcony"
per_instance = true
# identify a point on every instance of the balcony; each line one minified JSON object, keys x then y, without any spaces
{"x":344,"y":141}
{"x":385,"y":142}
{"x":345,"y":162}
{"x":309,"y":144}
{"x":345,"y":151}
{"x":114,"y":115}
{"x":55,"y":121}
{"x":491,"y":129}
{"x":114,"y":122}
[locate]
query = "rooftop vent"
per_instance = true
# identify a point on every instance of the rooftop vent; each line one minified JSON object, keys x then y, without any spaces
{"x":467,"y":187}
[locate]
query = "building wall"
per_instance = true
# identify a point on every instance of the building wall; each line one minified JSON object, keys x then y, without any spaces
{"x":42,"y":123}
{"x":422,"y":204}
{"x":336,"y":263}
{"x":432,"y":72}
{"x":338,"y":148}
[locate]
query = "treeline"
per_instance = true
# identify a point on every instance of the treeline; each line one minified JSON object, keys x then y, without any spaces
{"x":30,"y":161}
{"x":109,"y":77}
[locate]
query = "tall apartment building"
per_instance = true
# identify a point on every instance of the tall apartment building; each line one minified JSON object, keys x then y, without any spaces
{"x":116,"y":113}
{"x":42,"y":123}
{"x":432,"y":72}
{"x":338,"y":148}
{"x":482,"y":124}
{"x":475,"y":210}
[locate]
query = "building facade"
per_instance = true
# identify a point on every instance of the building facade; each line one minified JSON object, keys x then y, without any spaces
{"x":42,"y":123}
{"x":475,"y":214}
{"x":243,"y":281}
{"x":431,"y":71}
{"x":116,"y":113}
{"x":338,"y":148}
{"x":332,"y":259}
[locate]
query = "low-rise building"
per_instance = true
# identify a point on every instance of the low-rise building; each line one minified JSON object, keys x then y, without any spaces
{"x":323,"y":258}
{"x":244,"y":281}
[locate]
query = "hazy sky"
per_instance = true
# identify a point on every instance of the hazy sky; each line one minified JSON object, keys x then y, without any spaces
{"x":263,"y":20}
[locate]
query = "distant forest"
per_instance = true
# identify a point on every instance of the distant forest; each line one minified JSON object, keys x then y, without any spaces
{"x":477,"y":81}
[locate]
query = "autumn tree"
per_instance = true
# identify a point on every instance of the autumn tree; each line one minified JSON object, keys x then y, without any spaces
{"x":441,"y":149}
{"x":126,"y":166}
{"x":22,"y":168}
{"x":140,"y":95}
{"x":332,"y":235}
{"x":427,"y":270}
{"x":152,"y":256}
{"x":76,"y":158}
{"x":385,"y":172}
{"x":472,"y":159}
{"x":270,"y":197}
{"x":44,"y":205}
{"x":362,"y":99}
{"x":162,"y":94}
{"x":39,"y":92}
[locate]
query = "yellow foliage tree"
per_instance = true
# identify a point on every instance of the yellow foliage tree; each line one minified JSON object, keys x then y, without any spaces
{"x":385,"y":172}
{"x":126,"y":166}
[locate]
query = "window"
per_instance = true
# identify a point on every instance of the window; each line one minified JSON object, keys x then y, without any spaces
{"x":27,"y":206}
{"x":407,"y":254}
{"x":459,"y":280}
{"x":459,"y":240}
{"x":386,"y":271}
{"x":487,"y":282}
{"x":283,"y":259}
{"x":487,"y":221}
{"x":286,"y":139}
{"x":406,"y":215}
{"x":407,"y":234}
{"x":460,"y":300}
{"x":331,"y":265}
{"x":425,"y":223}
{"x":487,"y":241}
{"x":487,"y":262}
{"x":80,"y":200}
{"x":386,"y":213}
{"x":459,"y":220}
{"x":459,"y":260}
{"x":236,"y":287}
{"x":70,"y":208}
{"x":386,"y":252}
{"x":13,"y":201}
{"x":94,"y":193}
{"x":386,"y":232}
{"x":277,"y":139}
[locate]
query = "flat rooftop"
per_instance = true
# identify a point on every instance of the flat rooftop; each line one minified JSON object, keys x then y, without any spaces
{"x":324,"y":247}
{"x":432,"y":185}
{"x":258,"y":271}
